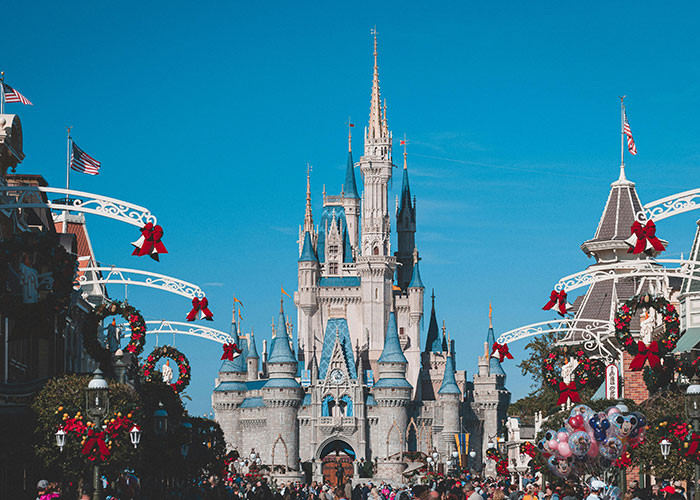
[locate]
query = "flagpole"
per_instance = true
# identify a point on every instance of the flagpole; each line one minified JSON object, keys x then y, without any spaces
{"x":65,"y":212}
{"x":622,"y":137}
{"x":2,"y":92}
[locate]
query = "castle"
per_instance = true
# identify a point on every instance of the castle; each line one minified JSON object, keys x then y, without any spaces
{"x":358,"y":387}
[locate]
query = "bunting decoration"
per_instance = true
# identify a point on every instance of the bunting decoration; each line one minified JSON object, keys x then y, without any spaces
{"x":501,"y":352}
{"x":654,"y":352}
{"x":200,"y":306}
{"x":231,"y":352}
{"x":643,"y":239}
{"x":557,"y":299}
{"x":149,"y":243}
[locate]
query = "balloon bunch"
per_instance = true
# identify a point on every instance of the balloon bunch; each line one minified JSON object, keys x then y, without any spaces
{"x":590,"y":440}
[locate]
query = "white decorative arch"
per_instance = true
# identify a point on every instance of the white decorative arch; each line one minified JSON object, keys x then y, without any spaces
{"x":120,"y":275}
{"x":588,"y":332}
{"x":669,"y":206}
{"x":27,"y":196}
{"x":394,"y":427}
{"x":180,"y":328}
{"x":642,"y":268}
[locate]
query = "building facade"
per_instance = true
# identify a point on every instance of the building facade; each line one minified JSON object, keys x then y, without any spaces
{"x":359,"y":387}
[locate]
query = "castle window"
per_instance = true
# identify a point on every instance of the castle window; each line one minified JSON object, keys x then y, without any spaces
{"x":401,"y":331}
{"x":333,"y":249}
{"x":333,"y":268}
{"x":375,"y":251}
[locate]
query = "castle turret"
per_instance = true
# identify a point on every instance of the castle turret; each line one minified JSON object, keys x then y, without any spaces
{"x":433,"y":341}
{"x":450,"y":397}
{"x":415,"y":292}
{"x":392,"y":391}
{"x":283,"y":393}
{"x":253,"y":358}
{"x":351,"y":199}
{"x":406,"y":229}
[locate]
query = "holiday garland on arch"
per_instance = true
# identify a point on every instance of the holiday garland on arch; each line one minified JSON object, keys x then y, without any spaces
{"x":183,"y":366}
{"x":501,"y":462}
{"x":656,"y":350}
{"x":588,"y":372}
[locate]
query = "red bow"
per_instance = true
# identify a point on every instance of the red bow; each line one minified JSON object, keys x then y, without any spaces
{"x":96,"y":439}
{"x":694,"y":445}
{"x":149,"y":242}
{"x":231,"y":351}
{"x":556,"y":298}
{"x":650,"y":353}
{"x":566,"y":392}
{"x":645,"y":235}
{"x":502,"y":352}
{"x":201,"y":306}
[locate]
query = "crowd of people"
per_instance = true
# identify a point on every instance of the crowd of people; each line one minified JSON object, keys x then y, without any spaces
{"x":465,"y":487}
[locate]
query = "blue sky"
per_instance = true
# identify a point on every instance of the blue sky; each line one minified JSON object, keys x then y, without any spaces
{"x":207,"y":114}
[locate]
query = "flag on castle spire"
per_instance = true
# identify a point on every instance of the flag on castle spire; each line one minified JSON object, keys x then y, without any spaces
{"x":12,"y":95}
{"x":628,"y":132}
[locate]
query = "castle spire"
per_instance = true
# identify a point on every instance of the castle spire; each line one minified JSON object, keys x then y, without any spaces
{"x":308,"y":216}
{"x":350,"y":185}
{"x":490,"y":315}
{"x":375,"y":109}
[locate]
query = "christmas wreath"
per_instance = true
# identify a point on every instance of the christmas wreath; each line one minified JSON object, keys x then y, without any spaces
{"x":656,"y":350}
{"x":136,"y":323}
{"x":40,"y":258}
{"x":183,"y":366}
{"x":588,"y":372}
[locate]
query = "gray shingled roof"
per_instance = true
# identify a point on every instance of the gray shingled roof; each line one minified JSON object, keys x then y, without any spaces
{"x":623,"y":203}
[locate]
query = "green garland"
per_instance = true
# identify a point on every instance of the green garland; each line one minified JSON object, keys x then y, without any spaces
{"x":626,"y":311}
{"x":588,"y":371}
{"x":49,"y":257}
{"x":136,"y":323}
{"x":183,"y":366}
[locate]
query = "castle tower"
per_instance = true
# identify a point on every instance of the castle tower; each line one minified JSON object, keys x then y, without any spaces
{"x":283,"y":395}
{"x":392,"y":392}
{"x":415,"y":292}
{"x":252,"y":359}
{"x":376,"y":265}
{"x":351,"y":200}
{"x":450,"y":397}
{"x":406,"y":228}
{"x":491,"y":398}
{"x":228,"y":394}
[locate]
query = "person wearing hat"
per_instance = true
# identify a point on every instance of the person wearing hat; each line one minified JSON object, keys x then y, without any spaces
{"x":596,"y":487}
{"x":41,"y":488}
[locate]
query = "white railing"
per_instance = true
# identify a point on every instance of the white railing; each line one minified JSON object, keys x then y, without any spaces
{"x":177,"y":327}
{"x":669,"y":206}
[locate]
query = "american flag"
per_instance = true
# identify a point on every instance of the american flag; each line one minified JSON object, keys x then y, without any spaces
{"x":11,"y":95}
{"x":628,"y":132}
{"x":80,"y":161}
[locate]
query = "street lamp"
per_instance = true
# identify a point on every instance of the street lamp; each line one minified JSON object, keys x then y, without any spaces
{"x":665,"y":448}
{"x":135,"y":435}
{"x":692,"y":409}
{"x":60,"y":438}
{"x":160,"y":420}
{"x":96,"y":406}
{"x":501,"y":446}
{"x":185,"y":447}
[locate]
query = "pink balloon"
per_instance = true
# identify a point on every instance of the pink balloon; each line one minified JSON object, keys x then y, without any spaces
{"x":564,"y":450}
{"x":563,"y":437}
{"x":593,"y":450}
{"x":554,"y":445}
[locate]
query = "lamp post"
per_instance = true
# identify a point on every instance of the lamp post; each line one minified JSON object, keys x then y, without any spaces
{"x":60,"y":439}
{"x":97,"y":407}
{"x":160,"y":420}
{"x":135,"y":435}
{"x":692,"y":409}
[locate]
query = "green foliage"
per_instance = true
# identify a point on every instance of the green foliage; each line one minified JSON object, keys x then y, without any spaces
{"x":68,"y":393}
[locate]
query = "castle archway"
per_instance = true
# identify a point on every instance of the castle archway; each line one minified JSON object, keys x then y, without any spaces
{"x":337,"y":458}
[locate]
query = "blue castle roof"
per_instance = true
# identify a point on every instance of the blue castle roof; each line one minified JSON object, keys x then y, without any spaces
{"x":350,"y":185}
{"x":230,"y":386}
{"x":433,"y":342}
{"x":252,"y":348}
{"x":239,"y":363}
{"x":339,"y":327}
{"x":416,"y":281}
{"x":495,"y":367}
{"x":405,"y":201}
{"x":307,"y":251}
{"x":256,"y":402}
{"x":449,"y":383}
{"x":281,"y":352}
{"x":392,"y":352}
{"x":331,"y":214}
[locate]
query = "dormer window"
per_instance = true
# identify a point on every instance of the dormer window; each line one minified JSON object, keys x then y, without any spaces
{"x":332,"y":268}
{"x":333,"y":249}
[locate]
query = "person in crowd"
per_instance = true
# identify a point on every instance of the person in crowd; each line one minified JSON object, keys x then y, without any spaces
{"x":470,"y":492}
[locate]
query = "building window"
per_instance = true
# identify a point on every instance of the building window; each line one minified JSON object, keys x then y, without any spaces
{"x":333,"y":249}
{"x":332,"y":268}
{"x":401,"y":331}
{"x":375,"y":251}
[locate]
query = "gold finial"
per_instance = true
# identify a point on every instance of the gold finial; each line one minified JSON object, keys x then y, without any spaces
{"x":490,"y":315}
{"x":404,"y":143}
{"x":443,"y":327}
